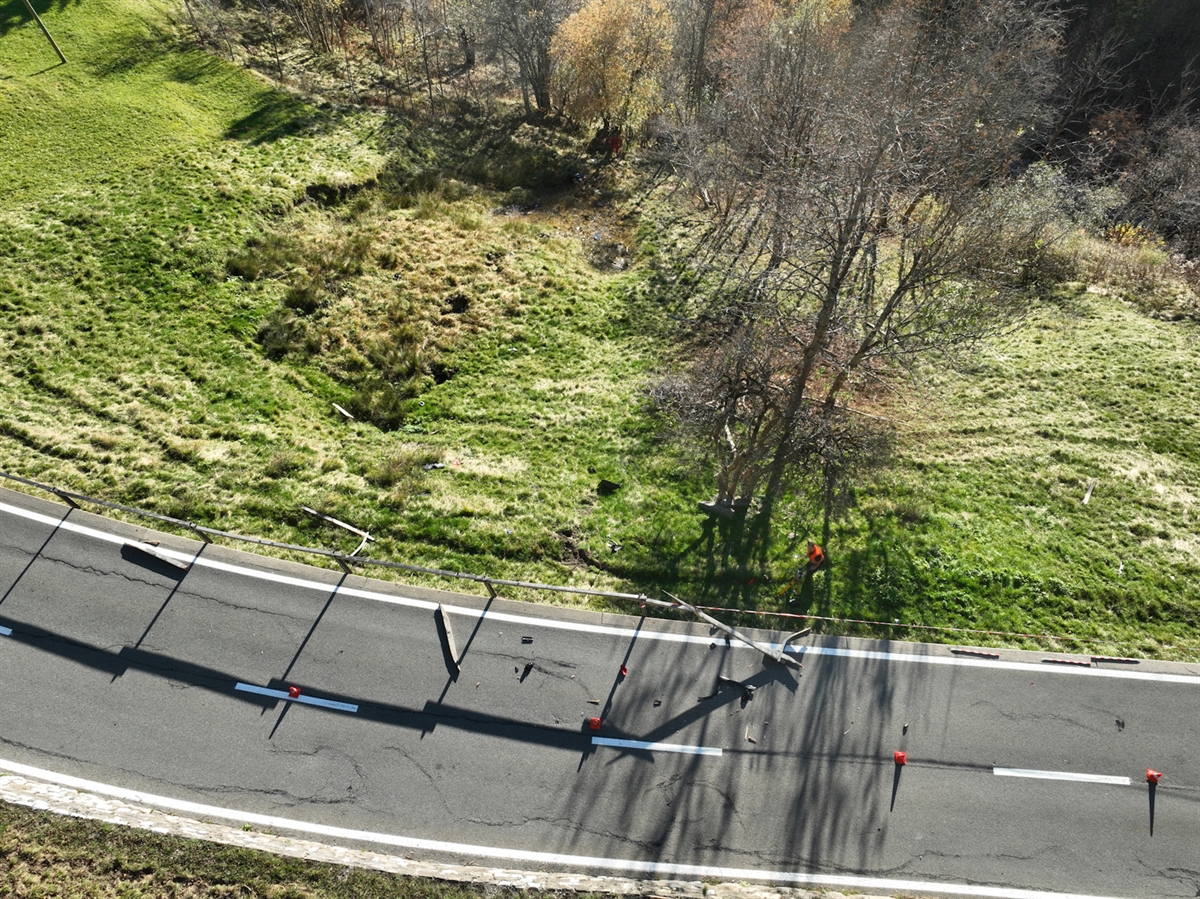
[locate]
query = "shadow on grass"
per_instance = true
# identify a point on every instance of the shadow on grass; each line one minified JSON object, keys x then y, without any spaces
{"x":132,"y":50}
{"x":876,"y":575}
{"x":41,"y":71}
{"x":13,"y":14}
{"x":277,"y":115}
{"x":879,"y":579}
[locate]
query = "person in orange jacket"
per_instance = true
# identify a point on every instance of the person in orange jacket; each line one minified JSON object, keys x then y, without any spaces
{"x":816,"y":558}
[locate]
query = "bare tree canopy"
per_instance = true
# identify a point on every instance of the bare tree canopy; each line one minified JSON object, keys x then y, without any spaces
{"x":522,"y":30}
{"x":857,"y":176}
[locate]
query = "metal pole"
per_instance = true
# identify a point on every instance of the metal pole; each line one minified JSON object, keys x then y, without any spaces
{"x":45,"y":31}
{"x":770,"y":653}
{"x":341,"y":524}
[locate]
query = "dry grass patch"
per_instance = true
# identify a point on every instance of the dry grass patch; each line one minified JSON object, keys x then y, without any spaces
{"x":1138,"y":269}
{"x":503,"y":469}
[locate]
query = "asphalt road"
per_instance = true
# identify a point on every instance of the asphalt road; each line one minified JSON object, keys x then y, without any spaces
{"x":122,"y":669}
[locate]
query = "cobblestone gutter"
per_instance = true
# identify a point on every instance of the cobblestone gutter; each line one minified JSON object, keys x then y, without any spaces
{"x":66,"y":801}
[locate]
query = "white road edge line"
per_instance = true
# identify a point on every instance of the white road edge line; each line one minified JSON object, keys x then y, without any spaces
{"x":658,"y":869}
{"x":608,"y":630}
{"x":310,"y":700}
{"x":1062,"y":775}
{"x":656,"y":747}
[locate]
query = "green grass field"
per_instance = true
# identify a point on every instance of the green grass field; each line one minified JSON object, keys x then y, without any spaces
{"x":175,"y":324}
{"x":984,"y":519}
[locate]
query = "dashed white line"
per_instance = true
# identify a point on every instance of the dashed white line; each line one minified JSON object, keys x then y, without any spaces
{"x":609,"y":630}
{"x":1062,"y":775}
{"x":656,"y":747}
{"x":657,"y":869}
{"x":309,"y":700}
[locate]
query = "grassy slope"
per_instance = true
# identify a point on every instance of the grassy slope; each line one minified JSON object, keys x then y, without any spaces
{"x":130,"y":365}
{"x":130,"y":370}
{"x":47,"y":855}
{"x":983,"y":522}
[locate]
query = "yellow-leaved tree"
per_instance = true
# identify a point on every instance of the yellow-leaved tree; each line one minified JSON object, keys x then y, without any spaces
{"x":610,"y":59}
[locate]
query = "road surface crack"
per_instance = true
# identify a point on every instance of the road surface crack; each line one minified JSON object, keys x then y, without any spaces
{"x":101,"y":572}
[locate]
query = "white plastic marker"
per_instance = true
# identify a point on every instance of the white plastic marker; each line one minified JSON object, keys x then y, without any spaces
{"x":580,"y":627}
{"x":152,"y":549}
{"x":667,"y":870}
{"x":656,"y":747}
{"x":1062,"y":775}
{"x":299,"y":697}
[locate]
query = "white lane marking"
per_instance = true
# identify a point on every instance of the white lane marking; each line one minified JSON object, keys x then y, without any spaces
{"x":6,"y":631}
{"x":1062,"y":775}
{"x":151,"y":550}
{"x":310,"y":700}
{"x":656,"y":747}
{"x":660,"y":869}
{"x":608,"y":630}
{"x":956,"y":662}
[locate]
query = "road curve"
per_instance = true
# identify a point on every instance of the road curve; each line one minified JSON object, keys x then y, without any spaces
{"x":1022,"y":778}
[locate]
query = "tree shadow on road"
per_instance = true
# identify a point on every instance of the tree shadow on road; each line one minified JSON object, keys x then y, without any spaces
{"x":824,"y":742}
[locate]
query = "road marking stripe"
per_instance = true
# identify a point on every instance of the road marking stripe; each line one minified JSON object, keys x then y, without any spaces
{"x":310,"y":700}
{"x":150,"y":549}
{"x":609,"y":630}
{"x":659,"y":869}
{"x":6,"y":631}
{"x":1028,"y":667}
{"x":656,"y":747}
{"x":1062,"y":775}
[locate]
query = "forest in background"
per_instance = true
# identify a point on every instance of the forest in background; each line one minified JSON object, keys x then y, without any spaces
{"x":1122,"y":86}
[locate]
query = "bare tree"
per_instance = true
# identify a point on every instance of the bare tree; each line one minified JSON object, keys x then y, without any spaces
{"x":857,"y":177}
{"x":521,"y":30}
{"x":733,"y":401}
{"x":1163,"y":185}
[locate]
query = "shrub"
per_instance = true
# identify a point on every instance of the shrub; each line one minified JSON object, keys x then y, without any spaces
{"x":281,"y":333}
{"x":283,"y":463}
{"x":402,"y":465}
{"x":1127,"y":234}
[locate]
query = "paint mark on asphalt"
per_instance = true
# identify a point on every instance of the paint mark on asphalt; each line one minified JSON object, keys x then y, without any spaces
{"x":658,"y":869}
{"x":1028,"y":667}
{"x":1062,"y":775}
{"x":656,"y":747}
{"x":6,"y":631}
{"x":308,"y":700}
